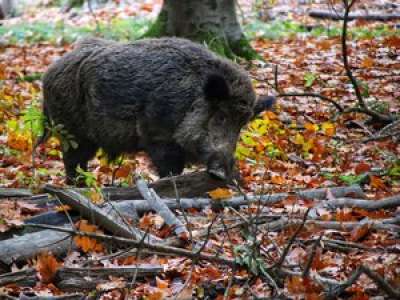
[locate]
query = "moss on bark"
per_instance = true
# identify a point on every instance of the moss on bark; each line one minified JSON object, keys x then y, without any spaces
{"x":220,"y":45}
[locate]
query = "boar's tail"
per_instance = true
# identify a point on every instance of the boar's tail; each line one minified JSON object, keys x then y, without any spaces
{"x":264,"y":103}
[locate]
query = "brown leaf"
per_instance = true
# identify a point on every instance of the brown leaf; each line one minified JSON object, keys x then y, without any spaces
{"x":377,"y":183}
{"x":360,"y":232}
{"x":362,"y":168}
{"x":47,"y":266}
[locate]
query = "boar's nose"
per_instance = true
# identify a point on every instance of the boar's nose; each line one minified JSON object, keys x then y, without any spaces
{"x":221,"y":167}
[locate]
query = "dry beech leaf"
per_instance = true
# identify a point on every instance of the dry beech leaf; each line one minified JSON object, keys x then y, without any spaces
{"x":47,"y":266}
{"x":362,"y":168}
{"x":220,"y":193}
{"x":85,"y":243}
{"x":360,"y":232}
{"x":377,"y":183}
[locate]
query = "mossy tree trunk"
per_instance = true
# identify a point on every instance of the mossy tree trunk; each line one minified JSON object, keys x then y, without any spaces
{"x":213,"y":22}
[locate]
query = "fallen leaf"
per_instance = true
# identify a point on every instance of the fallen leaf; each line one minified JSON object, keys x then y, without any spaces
{"x":220,"y":193}
{"x":47,"y":266}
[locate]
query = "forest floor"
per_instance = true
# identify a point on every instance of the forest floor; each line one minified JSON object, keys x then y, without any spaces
{"x":304,"y":143}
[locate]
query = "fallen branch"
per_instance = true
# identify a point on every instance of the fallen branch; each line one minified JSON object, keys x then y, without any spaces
{"x":387,"y":203}
{"x":111,"y":222}
{"x":285,"y":222}
{"x":77,"y":279}
{"x":161,"y":208}
{"x":24,"y":278}
{"x":16,"y":249}
{"x":381,"y":283}
{"x":141,"y":206}
{"x":325,"y":14}
{"x":11,"y":192}
{"x":195,"y":184}
{"x":133,"y":243}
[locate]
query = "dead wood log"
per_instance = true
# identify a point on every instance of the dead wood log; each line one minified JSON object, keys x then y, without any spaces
{"x":113,"y":222}
{"x":11,"y":192}
{"x":23,"y":278}
{"x":282,"y":223}
{"x":331,"y":15}
{"x":190,"y":185}
{"x":75,"y":296}
{"x":143,"y":244}
{"x":141,"y":206}
{"x":27,"y":246}
{"x":387,"y":203}
{"x":77,"y":279}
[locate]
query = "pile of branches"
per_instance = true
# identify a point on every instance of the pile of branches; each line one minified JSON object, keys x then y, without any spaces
{"x":118,"y":217}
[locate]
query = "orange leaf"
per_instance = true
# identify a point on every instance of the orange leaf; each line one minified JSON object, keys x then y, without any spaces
{"x":367,"y":62}
{"x":271,"y":115}
{"x":311,"y":127}
{"x":278,"y":180}
{"x":47,"y":266}
{"x":362,"y":168}
{"x":85,"y":243}
{"x":360,"y":232}
{"x":295,"y":285}
{"x":161,"y":284}
{"x":220,"y":193}
{"x":156,"y":295}
{"x":123,"y":171}
{"x":377,"y":183}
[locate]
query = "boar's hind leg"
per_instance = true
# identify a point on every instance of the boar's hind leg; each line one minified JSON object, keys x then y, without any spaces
{"x":77,"y":157}
{"x":169,"y":159}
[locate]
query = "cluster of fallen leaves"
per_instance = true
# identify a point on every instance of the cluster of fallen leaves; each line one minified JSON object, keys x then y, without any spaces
{"x":296,"y":146}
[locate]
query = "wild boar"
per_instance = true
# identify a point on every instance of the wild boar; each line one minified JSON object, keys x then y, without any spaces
{"x":170,"y":97}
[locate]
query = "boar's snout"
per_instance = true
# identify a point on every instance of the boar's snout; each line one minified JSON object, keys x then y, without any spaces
{"x":221,"y":166}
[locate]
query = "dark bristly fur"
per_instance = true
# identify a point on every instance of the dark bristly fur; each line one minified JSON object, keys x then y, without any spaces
{"x":170,"y":97}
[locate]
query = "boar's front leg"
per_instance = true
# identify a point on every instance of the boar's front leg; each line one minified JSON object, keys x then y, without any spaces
{"x":77,"y":157}
{"x":169,"y":159}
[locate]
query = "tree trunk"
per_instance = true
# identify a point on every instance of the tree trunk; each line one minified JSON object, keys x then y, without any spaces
{"x":213,"y":22}
{"x":7,"y":9}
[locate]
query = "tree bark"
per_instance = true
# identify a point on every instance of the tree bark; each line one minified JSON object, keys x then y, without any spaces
{"x":7,"y":9}
{"x":213,"y":22}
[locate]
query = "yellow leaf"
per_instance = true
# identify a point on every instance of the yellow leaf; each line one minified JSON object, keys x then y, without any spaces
{"x":63,"y":208}
{"x":299,"y":139}
{"x":96,"y":196}
{"x":220,"y":193}
{"x":328,"y":128}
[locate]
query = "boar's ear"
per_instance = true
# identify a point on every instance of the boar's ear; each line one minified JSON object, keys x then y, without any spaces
{"x":216,"y":88}
{"x":264,"y":103}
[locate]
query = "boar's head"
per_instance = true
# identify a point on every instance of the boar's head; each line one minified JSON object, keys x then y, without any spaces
{"x":211,"y":129}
